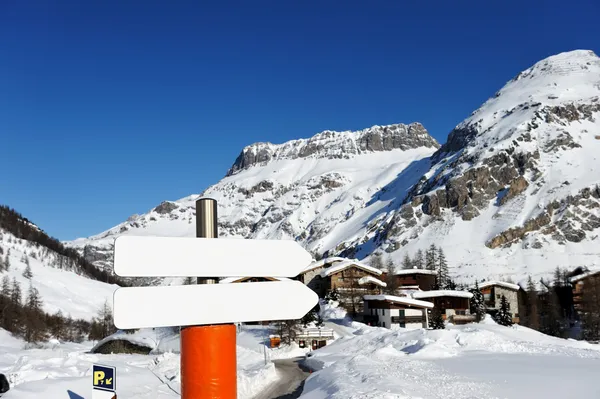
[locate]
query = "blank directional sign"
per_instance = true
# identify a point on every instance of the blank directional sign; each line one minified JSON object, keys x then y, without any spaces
{"x":184,"y":305}
{"x":189,"y":256}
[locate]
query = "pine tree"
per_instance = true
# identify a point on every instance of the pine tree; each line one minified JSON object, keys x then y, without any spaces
{"x":436,"y":321}
{"x":430,"y":258}
{"x":407,"y":262}
{"x":442,"y":271}
{"x":376,"y":262}
{"x":5,"y":303}
{"x":34,"y":325}
{"x":27,"y":273}
{"x":418,"y":261}
{"x":15,"y":314}
{"x":477,"y":304}
{"x":533,"y":316}
{"x":1,"y":263}
{"x":391,"y":281}
{"x":503,"y":316}
{"x":7,"y":261}
{"x":103,"y":326}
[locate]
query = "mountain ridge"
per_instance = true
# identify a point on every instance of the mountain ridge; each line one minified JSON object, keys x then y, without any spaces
{"x":517,"y":178}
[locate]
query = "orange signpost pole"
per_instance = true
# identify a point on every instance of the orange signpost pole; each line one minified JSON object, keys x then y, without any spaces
{"x":208,"y":353}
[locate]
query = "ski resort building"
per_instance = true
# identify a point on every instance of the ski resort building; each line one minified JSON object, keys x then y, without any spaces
{"x":422,"y":278}
{"x":394,"y":311}
{"x":587,"y":280}
{"x":311,"y":276}
{"x":492,"y":293}
{"x":352,"y":274}
{"x":454,"y":305}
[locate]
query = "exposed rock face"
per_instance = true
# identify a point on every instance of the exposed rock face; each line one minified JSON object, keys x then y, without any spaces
{"x":520,"y":174}
{"x":517,"y":233}
{"x":165,"y":207}
{"x":331,"y":145}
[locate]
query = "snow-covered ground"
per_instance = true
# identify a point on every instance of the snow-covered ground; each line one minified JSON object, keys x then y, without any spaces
{"x":472,"y":361}
{"x":56,"y":369}
{"x":61,"y":290}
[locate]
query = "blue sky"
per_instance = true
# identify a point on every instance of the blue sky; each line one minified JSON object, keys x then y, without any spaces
{"x":109,"y":107}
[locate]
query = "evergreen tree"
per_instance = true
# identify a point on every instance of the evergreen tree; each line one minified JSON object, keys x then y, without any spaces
{"x":376,"y":262}
{"x":436,"y":321}
{"x":7,"y":261}
{"x":15,"y":309}
{"x":418,"y":261}
{"x":103,"y":326}
{"x":311,"y":316}
{"x":407,"y":262}
{"x":1,"y":263}
{"x":430,"y":258}
{"x":5,"y":303}
{"x":533,"y":316}
{"x":477,"y":304}
{"x":27,"y":273}
{"x":34,"y":324}
{"x":391,"y":281}
{"x":503,"y":316}
{"x":443,"y":276}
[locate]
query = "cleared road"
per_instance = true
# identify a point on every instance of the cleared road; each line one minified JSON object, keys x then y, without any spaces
{"x":290,"y":383}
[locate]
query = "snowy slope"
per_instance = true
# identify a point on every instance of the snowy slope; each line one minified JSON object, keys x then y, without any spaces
{"x":513,"y":191}
{"x":482,"y":360}
{"x":318,"y":191}
{"x":60,"y":289}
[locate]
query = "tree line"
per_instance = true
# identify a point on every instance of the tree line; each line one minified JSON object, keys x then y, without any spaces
{"x":21,"y":313}
{"x":19,"y":226}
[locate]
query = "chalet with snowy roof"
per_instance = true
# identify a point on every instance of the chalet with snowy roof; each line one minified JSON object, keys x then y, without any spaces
{"x":311,"y":275}
{"x":352,"y":273}
{"x":395,"y":311}
{"x":584,"y":280}
{"x":454,"y":305}
{"x":492,"y":293}
{"x":421,"y":278}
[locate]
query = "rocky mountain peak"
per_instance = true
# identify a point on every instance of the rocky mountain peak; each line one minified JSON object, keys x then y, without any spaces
{"x":563,"y":84}
{"x":331,"y":144}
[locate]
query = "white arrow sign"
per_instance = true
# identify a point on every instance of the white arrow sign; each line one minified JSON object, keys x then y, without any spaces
{"x":205,"y":257}
{"x":184,"y":305}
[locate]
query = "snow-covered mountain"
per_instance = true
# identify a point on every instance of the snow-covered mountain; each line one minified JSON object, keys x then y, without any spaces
{"x":513,"y":191}
{"x":318,"y":191}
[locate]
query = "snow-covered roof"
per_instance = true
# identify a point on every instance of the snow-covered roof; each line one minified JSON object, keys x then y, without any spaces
{"x":370,"y":279}
{"x":438,"y":293}
{"x":503,"y":284}
{"x":404,"y":300}
{"x":322,"y":262}
{"x":403,"y":272}
{"x":347,"y":264}
{"x":229,"y":280}
{"x":593,"y":272}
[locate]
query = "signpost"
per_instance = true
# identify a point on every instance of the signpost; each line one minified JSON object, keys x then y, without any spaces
{"x":208,"y":348}
{"x":187,"y":305}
